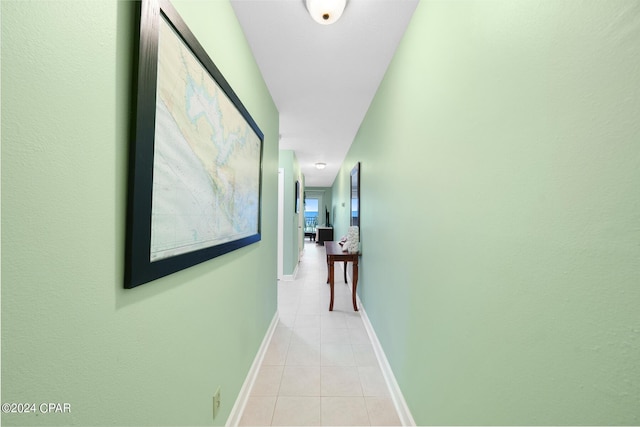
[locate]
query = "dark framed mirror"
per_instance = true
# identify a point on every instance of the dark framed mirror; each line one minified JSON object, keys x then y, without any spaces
{"x":355,"y":195}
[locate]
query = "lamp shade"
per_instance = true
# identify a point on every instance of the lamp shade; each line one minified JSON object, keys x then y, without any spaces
{"x":326,"y":12}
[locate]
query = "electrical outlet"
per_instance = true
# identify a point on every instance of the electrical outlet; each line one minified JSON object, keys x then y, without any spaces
{"x":216,"y":402}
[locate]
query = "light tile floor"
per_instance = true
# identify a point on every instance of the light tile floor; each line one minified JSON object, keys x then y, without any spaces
{"x":320,"y":367}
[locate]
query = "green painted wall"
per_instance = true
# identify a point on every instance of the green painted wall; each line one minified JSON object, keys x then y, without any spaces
{"x":153,"y":355}
{"x":341,"y":197}
{"x":501,"y":212}
{"x":291,"y":244}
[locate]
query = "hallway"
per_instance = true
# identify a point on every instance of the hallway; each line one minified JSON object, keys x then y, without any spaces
{"x":320,"y":367}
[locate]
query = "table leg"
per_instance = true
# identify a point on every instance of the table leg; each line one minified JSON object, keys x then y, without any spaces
{"x":328,"y":270}
{"x":345,"y":272}
{"x":331,"y":282}
{"x":355,"y":283}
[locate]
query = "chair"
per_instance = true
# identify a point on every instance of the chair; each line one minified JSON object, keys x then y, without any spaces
{"x":310,"y":225}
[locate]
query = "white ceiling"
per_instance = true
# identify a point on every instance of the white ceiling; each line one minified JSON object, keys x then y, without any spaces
{"x":322,"y":77}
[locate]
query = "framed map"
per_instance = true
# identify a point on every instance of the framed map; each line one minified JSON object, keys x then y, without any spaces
{"x":196,"y":158}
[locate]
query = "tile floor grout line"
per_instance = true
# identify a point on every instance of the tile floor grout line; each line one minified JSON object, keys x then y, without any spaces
{"x":307,"y":292}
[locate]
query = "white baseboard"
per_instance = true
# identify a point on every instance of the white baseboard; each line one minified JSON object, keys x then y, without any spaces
{"x":396,"y":394}
{"x":241,"y":401}
{"x":290,"y":277}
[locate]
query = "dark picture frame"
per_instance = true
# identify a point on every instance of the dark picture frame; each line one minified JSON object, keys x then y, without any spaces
{"x":195,"y":167}
{"x":296,"y":206}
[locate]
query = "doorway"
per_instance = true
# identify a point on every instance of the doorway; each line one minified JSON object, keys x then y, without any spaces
{"x":310,"y":217}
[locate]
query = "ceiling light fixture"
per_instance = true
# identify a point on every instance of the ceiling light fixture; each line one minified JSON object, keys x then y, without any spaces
{"x":326,"y":12}
{"x":321,"y":166}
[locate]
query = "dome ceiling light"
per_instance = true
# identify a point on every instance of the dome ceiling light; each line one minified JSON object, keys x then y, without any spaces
{"x":326,"y":12}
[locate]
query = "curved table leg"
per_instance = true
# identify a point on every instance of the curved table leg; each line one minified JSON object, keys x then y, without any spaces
{"x":355,"y":283}
{"x":345,"y":272}
{"x":328,"y":270}
{"x":331,"y":282}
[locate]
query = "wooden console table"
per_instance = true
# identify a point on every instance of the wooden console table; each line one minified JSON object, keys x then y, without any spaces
{"x":335,"y":253}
